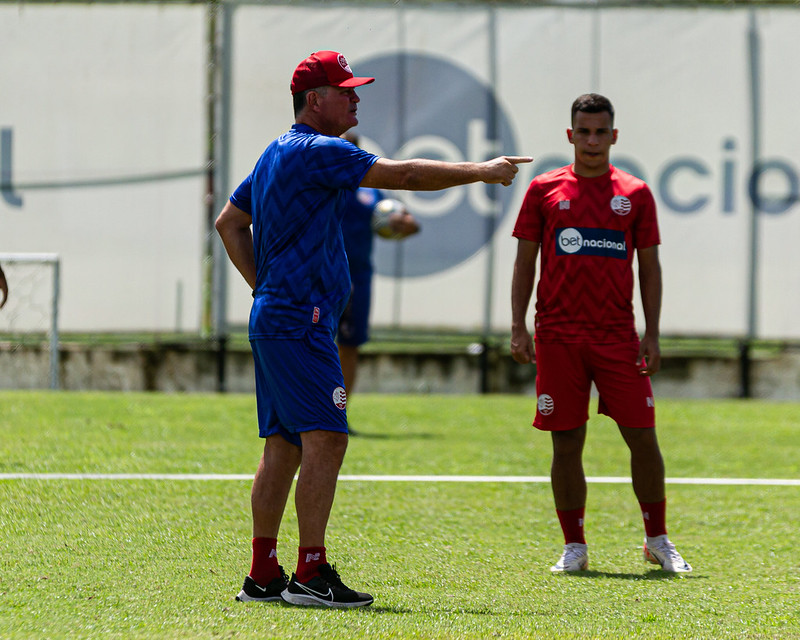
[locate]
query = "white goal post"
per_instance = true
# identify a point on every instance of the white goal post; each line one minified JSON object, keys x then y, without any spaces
{"x":31,"y":310}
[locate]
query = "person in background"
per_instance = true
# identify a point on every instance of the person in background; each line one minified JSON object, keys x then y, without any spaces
{"x":359,"y":236}
{"x":588,"y":220}
{"x":294,"y":260}
{"x":3,"y":288}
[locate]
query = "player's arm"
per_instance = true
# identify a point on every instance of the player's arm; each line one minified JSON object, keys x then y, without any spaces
{"x":650,"y":285}
{"x":233,"y":226}
{"x":421,"y":174}
{"x":521,"y":290}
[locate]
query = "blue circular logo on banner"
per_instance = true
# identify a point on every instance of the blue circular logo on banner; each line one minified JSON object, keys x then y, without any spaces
{"x":425,"y":107}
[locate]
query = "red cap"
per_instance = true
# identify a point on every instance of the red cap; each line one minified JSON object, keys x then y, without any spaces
{"x":325,"y":69}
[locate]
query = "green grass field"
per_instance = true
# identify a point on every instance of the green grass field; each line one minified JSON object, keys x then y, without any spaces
{"x":111,"y":558}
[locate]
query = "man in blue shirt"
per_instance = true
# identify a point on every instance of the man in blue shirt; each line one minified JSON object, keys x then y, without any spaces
{"x":295,"y":262}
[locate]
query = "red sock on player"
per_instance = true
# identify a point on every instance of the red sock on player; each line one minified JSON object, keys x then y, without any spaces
{"x":654,"y":515}
{"x":308,"y":561}
{"x":264,"y":568}
{"x":572,"y":525}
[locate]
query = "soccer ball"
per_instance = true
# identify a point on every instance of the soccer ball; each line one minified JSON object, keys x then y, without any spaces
{"x":383,"y":214}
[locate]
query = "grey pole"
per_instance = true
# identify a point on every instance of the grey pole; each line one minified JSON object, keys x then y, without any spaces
{"x":54,"y":339}
{"x":221,"y":135}
{"x":494,"y":199}
{"x":594,"y":81}
{"x":754,"y":46}
{"x":402,"y":135}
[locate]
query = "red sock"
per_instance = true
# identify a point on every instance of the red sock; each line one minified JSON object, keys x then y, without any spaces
{"x":308,"y":561}
{"x":572,"y":525}
{"x":655,"y":517}
{"x":265,"y":561}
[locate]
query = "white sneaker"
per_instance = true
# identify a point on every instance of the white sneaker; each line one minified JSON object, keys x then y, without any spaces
{"x":574,"y":558}
{"x":660,"y":550}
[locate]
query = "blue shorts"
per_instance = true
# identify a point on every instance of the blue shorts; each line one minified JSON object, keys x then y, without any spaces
{"x":299,"y":385}
{"x":354,"y":323}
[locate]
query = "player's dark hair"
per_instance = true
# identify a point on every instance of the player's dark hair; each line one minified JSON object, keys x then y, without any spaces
{"x":299,"y":99}
{"x":592,"y":103}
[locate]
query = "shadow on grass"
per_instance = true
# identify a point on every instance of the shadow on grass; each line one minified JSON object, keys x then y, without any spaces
{"x":476,"y":611}
{"x":655,"y":574}
{"x":395,"y":610}
{"x":366,"y":435}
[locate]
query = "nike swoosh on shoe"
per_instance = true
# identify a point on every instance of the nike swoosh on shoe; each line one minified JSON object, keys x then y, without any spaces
{"x":322,"y":596}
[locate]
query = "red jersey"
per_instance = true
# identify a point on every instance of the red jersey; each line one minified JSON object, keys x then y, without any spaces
{"x":588,"y":229}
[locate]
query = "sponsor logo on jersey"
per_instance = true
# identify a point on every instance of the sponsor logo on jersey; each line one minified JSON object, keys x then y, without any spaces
{"x":620,"y":205}
{"x":340,"y":398}
{"x":563,"y":205}
{"x":545,"y":404}
{"x":315,"y":317}
{"x":591,"y":242}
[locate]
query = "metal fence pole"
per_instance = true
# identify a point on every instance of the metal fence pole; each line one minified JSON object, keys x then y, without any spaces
{"x":221,"y":135}
{"x":494,"y":199}
{"x":754,"y":49}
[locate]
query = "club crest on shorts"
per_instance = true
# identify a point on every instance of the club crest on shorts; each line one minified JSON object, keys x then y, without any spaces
{"x":545,"y":404}
{"x":340,"y":398}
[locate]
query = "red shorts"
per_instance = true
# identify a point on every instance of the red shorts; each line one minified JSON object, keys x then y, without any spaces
{"x":564,"y":377}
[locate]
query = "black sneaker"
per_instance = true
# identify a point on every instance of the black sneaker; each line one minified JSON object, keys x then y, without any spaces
{"x":325,"y":590}
{"x":253,"y":592}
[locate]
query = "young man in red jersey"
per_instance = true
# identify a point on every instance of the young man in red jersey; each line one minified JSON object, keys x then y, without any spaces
{"x":587,"y":220}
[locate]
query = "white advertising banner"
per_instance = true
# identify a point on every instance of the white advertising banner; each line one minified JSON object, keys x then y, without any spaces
{"x":103,"y":123}
{"x":469,"y":82}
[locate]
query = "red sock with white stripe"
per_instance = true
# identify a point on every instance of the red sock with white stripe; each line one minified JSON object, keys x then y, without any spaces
{"x":308,"y":561}
{"x":654,"y":515}
{"x":264,"y":568}
{"x":572,"y":525}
